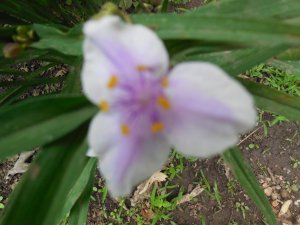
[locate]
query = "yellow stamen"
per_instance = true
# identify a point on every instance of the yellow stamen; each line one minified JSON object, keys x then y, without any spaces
{"x":142,"y":68}
{"x":113,"y":82}
{"x":163,"y":102}
{"x":125,"y":129}
{"x":157,"y":127}
{"x":165,"y":82}
{"x":104,"y":106}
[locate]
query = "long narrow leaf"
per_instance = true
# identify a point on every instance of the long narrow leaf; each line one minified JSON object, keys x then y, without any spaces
{"x":82,"y":182}
{"x":78,"y":214}
{"x":237,"y":61}
{"x":292,"y":67}
{"x":40,"y":121}
{"x":252,"y":8}
{"x":39,"y":197}
{"x":247,"y":179}
{"x":274,"y":101}
{"x":250,"y":31}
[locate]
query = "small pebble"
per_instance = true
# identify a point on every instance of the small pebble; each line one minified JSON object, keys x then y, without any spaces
{"x":274,"y":196}
{"x":275,"y":203}
{"x":268,"y":191}
{"x":265,"y":185}
{"x":298,"y":219}
{"x":284,"y":194}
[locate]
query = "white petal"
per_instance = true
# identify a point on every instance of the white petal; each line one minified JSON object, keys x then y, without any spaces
{"x":210,"y":109}
{"x":136,"y":41}
{"x":103,"y":133}
{"x":96,"y":72}
{"x":126,"y":165}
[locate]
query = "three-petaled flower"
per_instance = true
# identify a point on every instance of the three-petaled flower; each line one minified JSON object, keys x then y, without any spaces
{"x":147,"y":109}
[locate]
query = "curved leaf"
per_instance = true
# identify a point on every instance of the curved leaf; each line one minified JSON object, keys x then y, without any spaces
{"x":40,"y":121}
{"x":39,"y":197}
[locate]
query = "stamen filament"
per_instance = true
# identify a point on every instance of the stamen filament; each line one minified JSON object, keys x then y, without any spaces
{"x":165,"y":82}
{"x":163,"y":102}
{"x":104,"y":106}
{"x":125,"y":129}
{"x":157,"y":127}
{"x":142,"y":68}
{"x":113,"y":82}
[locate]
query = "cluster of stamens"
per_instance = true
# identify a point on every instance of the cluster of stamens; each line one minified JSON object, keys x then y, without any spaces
{"x":161,"y":101}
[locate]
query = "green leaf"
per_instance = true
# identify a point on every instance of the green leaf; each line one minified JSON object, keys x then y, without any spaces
{"x":39,"y":197}
{"x":36,"y":54}
{"x":78,"y":214}
{"x":78,"y":189}
{"x":247,"y":179}
{"x":252,"y":8}
{"x":39,"y":121}
{"x":291,"y":54}
{"x":68,"y":43}
{"x":16,"y":9}
{"x":9,"y":94}
{"x":234,"y":62}
{"x":291,"y":67}
{"x":274,"y":101}
{"x":165,"y":4}
{"x":250,"y":31}
{"x":73,"y":81}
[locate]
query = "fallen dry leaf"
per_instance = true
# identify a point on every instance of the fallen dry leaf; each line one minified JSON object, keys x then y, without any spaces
{"x":188,"y":197}
{"x":285,"y":207}
{"x":156,"y":177}
{"x":268,"y":191}
{"x":20,"y":165}
{"x":143,"y":190}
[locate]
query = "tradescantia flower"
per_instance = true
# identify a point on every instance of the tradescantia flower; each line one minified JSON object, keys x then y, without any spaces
{"x":146,"y":108}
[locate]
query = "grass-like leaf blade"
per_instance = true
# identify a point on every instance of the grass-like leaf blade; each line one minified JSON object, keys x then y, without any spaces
{"x":247,"y":179}
{"x":39,"y":197}
{"x":40,"y":121}
{"x":78,"y":214}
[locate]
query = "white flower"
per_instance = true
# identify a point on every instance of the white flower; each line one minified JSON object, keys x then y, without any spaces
{"x":147,"y":109}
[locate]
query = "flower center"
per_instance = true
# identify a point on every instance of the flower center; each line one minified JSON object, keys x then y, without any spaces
{"x":141,"y":98}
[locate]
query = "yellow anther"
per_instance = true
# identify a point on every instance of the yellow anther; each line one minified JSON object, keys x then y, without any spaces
{"x":165,"y":82}
{"x":157,"y":127}
{"x":142,"y":68}
{"x":163,"y":102}
{"x":113,"y":82}
{"x":104,"y":106}
{"x":125,"y":129}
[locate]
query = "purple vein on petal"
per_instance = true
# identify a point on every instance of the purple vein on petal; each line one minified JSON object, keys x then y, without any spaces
{"x":118,"y":55}
{"x":129,"y":152}
{"x":206,"y":107}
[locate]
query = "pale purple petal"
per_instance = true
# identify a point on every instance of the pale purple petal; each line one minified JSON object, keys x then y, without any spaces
{"x":104,"y":132}
{"x":125,"y":160}
{"x":127,"y":46}
{"x":96,"y":73}
{"x":209,"y":109}
{"x":132,"y":161}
